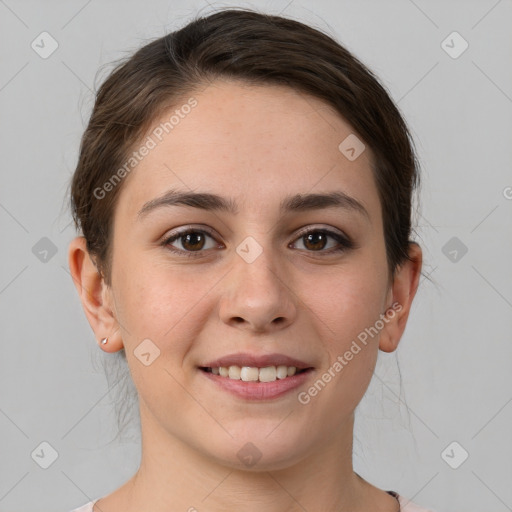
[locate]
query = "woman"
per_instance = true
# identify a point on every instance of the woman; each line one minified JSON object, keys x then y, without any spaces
{"x":244,"y":193}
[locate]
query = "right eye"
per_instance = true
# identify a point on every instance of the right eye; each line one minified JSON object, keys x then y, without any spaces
{"x":191,"y":241}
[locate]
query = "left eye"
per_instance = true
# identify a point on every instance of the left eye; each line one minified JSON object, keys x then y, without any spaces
{"x":317,"y":240}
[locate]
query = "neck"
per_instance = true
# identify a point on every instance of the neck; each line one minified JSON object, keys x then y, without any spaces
{"x":175,"y":476}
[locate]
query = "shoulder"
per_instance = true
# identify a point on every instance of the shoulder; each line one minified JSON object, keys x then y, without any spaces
{"x":408,"y":506}
{"x":405,"y":506}
{"x":88,"y":507}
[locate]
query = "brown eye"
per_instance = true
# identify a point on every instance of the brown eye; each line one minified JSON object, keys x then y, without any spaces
{"x":191,"y":240}
{"x":317,"y":240}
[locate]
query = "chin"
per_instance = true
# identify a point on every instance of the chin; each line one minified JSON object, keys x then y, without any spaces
{"x":260,"y":449}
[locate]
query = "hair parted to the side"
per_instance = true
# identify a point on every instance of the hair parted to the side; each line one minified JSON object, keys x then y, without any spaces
{"x":255,"y":48}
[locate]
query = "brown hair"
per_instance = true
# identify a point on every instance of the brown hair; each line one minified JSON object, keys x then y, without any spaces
{"x":239,"y":44}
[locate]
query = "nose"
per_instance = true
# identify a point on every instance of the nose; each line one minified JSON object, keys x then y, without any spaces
{"x":256,"y":296}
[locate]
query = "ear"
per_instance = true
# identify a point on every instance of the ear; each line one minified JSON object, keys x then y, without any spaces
{"x":401,"y":294}
{"x":95,"y":295}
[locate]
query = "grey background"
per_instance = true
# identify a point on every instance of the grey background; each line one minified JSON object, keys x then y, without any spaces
{"x":455,"y":357}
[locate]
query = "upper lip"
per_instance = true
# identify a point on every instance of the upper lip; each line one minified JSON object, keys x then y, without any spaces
{"x":260,"y":361}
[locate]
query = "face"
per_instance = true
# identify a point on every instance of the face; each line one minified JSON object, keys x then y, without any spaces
{"x":260,"y":275}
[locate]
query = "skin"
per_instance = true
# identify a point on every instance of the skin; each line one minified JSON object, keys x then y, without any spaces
{"x":255,"y":144}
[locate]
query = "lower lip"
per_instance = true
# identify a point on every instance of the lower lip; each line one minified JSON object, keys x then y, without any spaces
{"x":259,"y":390}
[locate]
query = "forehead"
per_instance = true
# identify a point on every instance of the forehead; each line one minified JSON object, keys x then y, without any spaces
{"x":248,"y":142}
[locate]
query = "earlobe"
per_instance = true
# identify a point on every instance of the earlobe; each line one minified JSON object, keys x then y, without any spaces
{"x":93,"y":292}
{"x":401,"y":295}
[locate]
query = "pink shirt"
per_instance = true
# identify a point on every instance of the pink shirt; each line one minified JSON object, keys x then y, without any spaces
{"x":405,"y":505}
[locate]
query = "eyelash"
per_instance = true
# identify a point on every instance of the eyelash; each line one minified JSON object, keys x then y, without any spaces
{"x":344,"y":242}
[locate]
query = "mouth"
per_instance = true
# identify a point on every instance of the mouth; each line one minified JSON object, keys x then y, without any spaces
{"x":255,"y":374}
{"x":257,"y":377}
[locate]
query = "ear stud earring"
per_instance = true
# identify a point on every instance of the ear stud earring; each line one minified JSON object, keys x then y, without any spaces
{"x":104,"y":341}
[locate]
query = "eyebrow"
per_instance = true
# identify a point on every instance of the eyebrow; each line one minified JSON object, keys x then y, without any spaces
{"x":213,"y":202}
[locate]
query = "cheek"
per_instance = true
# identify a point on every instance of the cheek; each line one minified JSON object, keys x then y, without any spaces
{"x":166,"y":309}
{"x":162,"y":304}
{"x":347,"y":301}
{"x":345,"y":317}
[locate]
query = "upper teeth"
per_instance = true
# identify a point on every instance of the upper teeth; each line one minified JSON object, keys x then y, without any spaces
{"x":253,"y":374}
